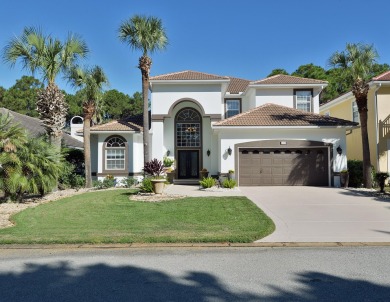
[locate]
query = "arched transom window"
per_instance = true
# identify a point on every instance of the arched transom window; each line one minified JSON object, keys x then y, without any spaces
{"x":188,"y":128}
{"x":115,"y":155}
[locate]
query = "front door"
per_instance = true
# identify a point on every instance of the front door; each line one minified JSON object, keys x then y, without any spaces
{"x":188,"y":164}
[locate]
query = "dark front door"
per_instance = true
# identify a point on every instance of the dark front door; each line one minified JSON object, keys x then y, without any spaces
{"x":188,"y":164}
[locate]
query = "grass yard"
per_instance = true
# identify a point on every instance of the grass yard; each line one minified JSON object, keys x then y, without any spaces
{"x":110,"y":217}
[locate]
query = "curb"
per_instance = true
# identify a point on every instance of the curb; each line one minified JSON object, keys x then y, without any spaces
{"x":194,"y":245}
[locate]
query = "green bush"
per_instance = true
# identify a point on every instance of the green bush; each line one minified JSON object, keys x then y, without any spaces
{"x":168,"y":162}
{"x":229,"y":183}
{"x":355,"y":169}
{"x":128,"y":182}
{"x":108,"y":182}
{"x":146,"y":185}
{"x":77,"y":181}
{"x":207,"y":182}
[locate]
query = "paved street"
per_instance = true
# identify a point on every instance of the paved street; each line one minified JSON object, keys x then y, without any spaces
{"x":196,"y":274}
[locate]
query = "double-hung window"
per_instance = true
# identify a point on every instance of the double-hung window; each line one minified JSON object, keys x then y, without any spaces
{"x":355,"y":113}
{"x":303,"y":100}
{"x":232,"y":107}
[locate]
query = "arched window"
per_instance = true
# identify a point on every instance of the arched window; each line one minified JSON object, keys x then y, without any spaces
{"x":188,"y":128}
{"x":115,"y":153}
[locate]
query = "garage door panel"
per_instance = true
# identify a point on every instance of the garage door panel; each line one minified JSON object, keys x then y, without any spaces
{"x":298,"y":166}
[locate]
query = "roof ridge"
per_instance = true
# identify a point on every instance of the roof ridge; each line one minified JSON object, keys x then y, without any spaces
{"x":381,"y":75}
{"x":200,"y":72}
{"x":286,"y":75}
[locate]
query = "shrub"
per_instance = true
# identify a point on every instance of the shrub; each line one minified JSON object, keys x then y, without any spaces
{"x":229,"y":183}
{"x":128,"y":182}
{"x":108,"y":182}
{"x":146,"y":185}
{"x":77,"y":181}
{"x":207,"y":182}
{"x":355,"y":168}
{"x":168,"y":162}
{"x":154,"y":168}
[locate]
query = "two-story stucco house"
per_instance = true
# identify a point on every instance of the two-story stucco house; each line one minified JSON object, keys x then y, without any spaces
{"x":269,"y":131}
{"x":378,"y":122}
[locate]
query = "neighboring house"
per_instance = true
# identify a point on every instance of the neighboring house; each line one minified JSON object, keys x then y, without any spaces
{"x":269,"y":131}
{"x":36,"y":128}
{"x":378,"y":103}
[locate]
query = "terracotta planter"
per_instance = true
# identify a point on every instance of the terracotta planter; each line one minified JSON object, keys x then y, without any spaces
{"x":158,"y":185}
{"x":170,"y":176}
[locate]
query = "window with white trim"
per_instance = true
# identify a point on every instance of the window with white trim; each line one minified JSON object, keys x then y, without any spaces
{"x":115,"y":155}
{"x":303,"y":100}
{"x":355,"y":113}
{"x":232,"y":107}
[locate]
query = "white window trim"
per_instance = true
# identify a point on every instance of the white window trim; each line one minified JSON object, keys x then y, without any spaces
{"x":354,"y":105}
{"x":226,"y":106}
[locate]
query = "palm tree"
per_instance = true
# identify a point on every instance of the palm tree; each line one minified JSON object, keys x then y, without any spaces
{"x":91,"y":81}
{"x":50,"y":57}
{"x":357,"y":60}
{"x":148,"y":35}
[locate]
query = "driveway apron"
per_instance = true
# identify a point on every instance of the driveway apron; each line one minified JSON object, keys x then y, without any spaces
{"x":322,"y":214}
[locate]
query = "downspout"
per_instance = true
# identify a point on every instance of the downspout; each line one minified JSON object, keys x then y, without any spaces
{"x":376,"y":124}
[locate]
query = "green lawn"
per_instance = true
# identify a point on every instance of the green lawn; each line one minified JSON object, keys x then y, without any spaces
{"x":110,"y":217}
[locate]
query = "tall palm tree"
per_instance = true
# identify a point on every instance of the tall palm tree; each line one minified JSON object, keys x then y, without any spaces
{"x":91,"y":81}
{"x":357,"y":60}
{"x":147,"y":35}
{"x":50,"y":57}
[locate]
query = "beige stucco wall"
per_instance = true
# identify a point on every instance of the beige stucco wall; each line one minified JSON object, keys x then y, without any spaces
{"x":343,"y":109}
{"x":383,"y":99}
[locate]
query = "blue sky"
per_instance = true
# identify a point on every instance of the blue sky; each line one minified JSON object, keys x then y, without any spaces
{"x":245,"y":39}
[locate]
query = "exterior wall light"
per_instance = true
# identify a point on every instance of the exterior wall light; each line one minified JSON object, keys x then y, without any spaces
{"x":229,"y":151}
{"x":208,"y":152}
{"x":168,"y":152}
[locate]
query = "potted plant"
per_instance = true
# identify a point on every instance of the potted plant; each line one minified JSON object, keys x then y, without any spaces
{"x":231,"y":174}
{"x":381,"y":177}
{"x":155,"y":169}
{"x":344,"y":178}
{"x":203,"y":173}
{"x":170,"y":174}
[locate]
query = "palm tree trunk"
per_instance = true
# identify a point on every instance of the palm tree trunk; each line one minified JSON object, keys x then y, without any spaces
{"x":367,"y":170}
{"x":87,"y":152}
{"x":144,"y":65}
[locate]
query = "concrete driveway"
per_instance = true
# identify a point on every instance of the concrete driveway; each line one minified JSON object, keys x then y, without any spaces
{"x":322,"y":214}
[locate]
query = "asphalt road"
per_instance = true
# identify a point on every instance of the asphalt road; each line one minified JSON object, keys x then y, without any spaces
{"x":196,"y":274}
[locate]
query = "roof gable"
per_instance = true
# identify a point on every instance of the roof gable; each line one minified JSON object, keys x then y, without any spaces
{"x":131,"y":123}
{"x":276,"y":115}
{"x":286,"y":79}
{"x":188,"y":75}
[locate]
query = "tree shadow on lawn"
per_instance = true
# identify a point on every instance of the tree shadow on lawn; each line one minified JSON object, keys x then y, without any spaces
{"x":101,"y":282}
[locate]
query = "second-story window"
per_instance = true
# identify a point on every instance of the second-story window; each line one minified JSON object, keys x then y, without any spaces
{"x":303,"y":100}
{"x":232,"y":107}
{"x":355,"y":113}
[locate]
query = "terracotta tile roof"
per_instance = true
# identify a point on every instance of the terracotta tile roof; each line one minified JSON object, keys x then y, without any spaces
{"x":188,"y":75}
{"x":132,"y":123}
{"x":237,"y":85}
{"x":276,"y":115}
{"x":383,"y":77}
{"x":35,"y":127}
{"x":287,"y":79}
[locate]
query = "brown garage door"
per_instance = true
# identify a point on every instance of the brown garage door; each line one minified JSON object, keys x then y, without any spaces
{"x":283,"y":167}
